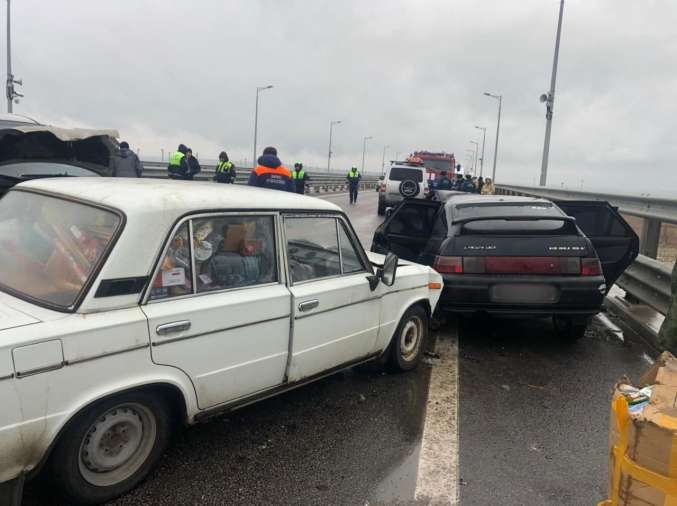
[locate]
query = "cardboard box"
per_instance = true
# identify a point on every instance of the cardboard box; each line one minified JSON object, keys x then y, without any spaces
{"x":648,"y":440}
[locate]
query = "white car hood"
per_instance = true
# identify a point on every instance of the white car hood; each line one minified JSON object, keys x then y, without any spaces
{"x":377,"y":259}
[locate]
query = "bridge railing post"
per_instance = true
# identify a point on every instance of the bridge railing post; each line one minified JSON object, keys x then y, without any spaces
{"x":651,"y":235}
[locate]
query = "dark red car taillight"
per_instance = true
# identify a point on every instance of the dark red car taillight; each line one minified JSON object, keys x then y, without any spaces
{"x":510,"y":265}
{"x":591,"y":267}
{"x":448,"y":265}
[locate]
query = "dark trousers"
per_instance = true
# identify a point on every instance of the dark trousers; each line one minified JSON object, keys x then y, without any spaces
{"x":353,"y":193}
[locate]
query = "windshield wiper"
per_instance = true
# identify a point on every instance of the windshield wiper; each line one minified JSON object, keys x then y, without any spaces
{"x":38,"y":176}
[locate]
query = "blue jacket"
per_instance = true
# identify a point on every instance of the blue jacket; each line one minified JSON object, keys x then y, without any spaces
{"x":270,"y":173}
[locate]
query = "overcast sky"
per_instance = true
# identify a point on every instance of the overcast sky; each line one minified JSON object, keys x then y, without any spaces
{"x":409,"y":73}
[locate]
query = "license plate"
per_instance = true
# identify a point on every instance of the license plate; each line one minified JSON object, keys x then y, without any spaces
{"x":517,"y":293}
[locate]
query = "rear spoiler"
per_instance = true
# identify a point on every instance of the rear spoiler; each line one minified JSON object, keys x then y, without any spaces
{"x":530,"y":217}
{"x":566,"y":219}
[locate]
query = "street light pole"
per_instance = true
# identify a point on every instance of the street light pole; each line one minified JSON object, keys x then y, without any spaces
{"x":364,"y":149}
{"x":498,"y":127}
{"x":484,"y":137}
{"x":477,"y":147}
{"x":256,"y":118}
{"x":549,"y":100}
{"x":331,"y":127}
{"x":383,"y":160}
{"x":10,"y":92}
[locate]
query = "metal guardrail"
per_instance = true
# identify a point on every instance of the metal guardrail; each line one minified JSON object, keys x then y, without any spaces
{"x":646,"y":280}
{"x":318,"y":183}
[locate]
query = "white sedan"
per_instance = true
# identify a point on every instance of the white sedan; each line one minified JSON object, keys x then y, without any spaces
{"x":127,"y":306}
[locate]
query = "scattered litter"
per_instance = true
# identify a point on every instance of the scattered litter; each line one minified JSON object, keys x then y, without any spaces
{"x":611,"y":326}
{"x":431,"y":354}
{"x":506,"y":387}
{"x":362,"y":398}
{"x":540,"y":387}
{"x":462,"y":482}
{"x":535,"y":448}
{"x":648,"y":359}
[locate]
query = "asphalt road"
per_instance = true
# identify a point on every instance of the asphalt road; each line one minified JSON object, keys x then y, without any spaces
{"x":532,"y":426}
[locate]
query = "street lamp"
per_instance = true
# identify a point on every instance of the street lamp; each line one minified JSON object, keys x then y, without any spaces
{"x":549,"y":100}
{"x":484,"y":137}
{"x":383,"y":159}
{"x":477,"y":147}
{"x":331,"y":127}
{"x":11,"y":93}
{"x":364,"y":149}
{"x":498,"y":127}
{"x":256,"y":118}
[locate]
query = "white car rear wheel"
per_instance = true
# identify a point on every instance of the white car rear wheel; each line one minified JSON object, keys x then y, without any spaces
{"x":111,"y":447}
{"x":408,"y":343}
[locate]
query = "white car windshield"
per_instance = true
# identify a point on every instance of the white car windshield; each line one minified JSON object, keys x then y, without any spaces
{"x":49,"y":247}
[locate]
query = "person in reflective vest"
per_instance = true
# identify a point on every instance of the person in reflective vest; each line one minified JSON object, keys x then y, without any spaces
{"x":300,"y":177}
{"x":353,"y":178}
{"x":178,"y":165}
{"x":270,"y":173}
{"x":225,"y":170}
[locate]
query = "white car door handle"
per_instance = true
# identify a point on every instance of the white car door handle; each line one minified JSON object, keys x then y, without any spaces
{"x":169,"y":328}
{"x":308,"y":305}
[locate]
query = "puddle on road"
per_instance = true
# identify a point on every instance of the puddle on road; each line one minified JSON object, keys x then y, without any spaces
{"x":399,"y":486}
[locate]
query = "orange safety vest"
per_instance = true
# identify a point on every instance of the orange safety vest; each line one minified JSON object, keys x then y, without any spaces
{"x":281,"y":170}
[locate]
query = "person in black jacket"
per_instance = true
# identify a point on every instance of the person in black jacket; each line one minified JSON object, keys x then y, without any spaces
{"x":193,"y":164}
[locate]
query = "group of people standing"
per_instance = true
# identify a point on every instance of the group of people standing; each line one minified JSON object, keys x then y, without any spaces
{"x":269,"y":172}
{"x":468,"y":184}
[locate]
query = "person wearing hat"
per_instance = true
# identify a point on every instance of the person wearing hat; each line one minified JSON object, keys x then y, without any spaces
{"x":125,"y":163}
{"x":225,"y":170}
{"x":270,"y":173}
{"x":178,"y":165}
{"x":300,"y":177}
{"x":353,"y":178}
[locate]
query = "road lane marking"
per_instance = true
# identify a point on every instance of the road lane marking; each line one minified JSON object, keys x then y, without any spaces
{"x":437,"y":480}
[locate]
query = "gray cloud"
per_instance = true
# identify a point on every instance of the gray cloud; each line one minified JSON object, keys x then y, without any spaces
{"x":409,"y":73}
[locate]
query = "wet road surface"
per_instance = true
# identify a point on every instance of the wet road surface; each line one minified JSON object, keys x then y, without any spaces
{"x":532,"y":412}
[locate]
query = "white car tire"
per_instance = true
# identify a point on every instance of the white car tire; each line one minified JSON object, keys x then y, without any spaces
{"x":109,"y":448}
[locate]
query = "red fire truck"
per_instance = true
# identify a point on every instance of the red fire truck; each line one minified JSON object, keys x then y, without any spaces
{"x":435,"y":162}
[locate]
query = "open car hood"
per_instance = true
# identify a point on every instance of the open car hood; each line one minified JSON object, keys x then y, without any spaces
{"x":90,"y":148}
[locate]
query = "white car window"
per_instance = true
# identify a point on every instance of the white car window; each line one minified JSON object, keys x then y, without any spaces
{"x":312,"y":248}
{"x":234,"y":251}
{"x":175,"y":276}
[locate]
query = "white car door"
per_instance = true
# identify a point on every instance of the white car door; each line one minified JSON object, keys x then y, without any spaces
{"x":335,"y":314}
{"x":218,"y":309}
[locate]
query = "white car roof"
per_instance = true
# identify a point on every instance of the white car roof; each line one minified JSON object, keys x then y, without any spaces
{"x":152,"y":208}
{"x":143,"y":196}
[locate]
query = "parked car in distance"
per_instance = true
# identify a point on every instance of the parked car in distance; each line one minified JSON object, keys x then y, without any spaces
{"x":131,"y":305}
{"x":402,"y":180}
{"x":515,"y":255}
